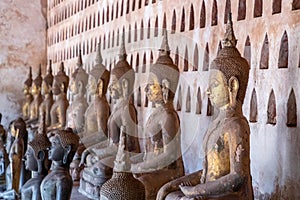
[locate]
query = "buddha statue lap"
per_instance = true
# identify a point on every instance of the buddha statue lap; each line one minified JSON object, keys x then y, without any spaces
{"x":57,"y":185}
{"x":28,"y":96}
{"x":76,"y":111}
{"x":102,"y":155}
{"x":162,"y":161}
{"x":36,"y":161}
{"x":59,"y":107}
{"x":226,"y":166}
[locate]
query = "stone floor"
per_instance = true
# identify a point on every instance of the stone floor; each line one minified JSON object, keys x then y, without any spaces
{"x":76,"y":195}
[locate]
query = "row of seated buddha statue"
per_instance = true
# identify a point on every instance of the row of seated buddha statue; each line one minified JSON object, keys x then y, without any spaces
{"x":99,"y":145}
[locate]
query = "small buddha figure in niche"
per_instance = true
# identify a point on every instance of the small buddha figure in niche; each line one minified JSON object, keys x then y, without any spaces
{"x":100,"y":163}
{"x":75,"y":112}
{"x":77,"y":87}
{"x":162,"y":161}
{"x":97,"y":113}
{"x":28,"y":96}
{"x":3,"y":156}
{"x":226,"y":166}
{"x":57,"y":185}
{"x":59,"y":107}
{"x":47,"y":103}
{"x":36,"y":161}
{"x":16,"y":174}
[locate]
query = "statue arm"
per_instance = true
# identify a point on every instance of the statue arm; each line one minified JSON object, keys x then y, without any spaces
{"x":239,"y":154}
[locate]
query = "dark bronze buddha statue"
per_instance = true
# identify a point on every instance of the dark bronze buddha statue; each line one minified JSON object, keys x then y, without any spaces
{"x":226,"y":145}
{"x":162,"y":161}
{"x":57,"y":185}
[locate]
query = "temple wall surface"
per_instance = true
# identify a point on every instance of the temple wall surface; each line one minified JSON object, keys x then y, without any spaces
{"x":23,"y":44}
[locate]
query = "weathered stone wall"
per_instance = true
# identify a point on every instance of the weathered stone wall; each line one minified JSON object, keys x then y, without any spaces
{"x":22,"y":41}
{"x":198,"y":27}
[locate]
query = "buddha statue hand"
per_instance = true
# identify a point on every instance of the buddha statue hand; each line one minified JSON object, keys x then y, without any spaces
{"x":192,"y":192}
{"x":84,"y":154}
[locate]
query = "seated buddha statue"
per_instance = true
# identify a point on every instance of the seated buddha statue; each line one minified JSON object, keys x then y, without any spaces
{"x":162,"y":161}
{"x":226,"y":166}
{"x":47,"y":103}
{"x":57,"y":185}
{"x":36,"y":161}
{"x":28,"y":96}
{"x":16,"y":174}
{"x":96,"y":115}
{"x":76,"y":111}
{"x":59,"y":107}
{"x":102,"y":155}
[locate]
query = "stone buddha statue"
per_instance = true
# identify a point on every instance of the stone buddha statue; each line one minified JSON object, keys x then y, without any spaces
{"x":226,"y":166}
{"x":28,"y":96}
{"x":37,"y":98}
{"x":57,"y":185}
{"x":76,"y":111}
{"x":97,"y":114}
{"x":16,"y":174}
{"x":60,"y":106}
{"x":100,"y":161}
{"x":36,"y":161}
{"x":77,"y":87}
{"x":162,"y":161}
{"x":3,"y":156}
{"x":122,"y":185}
{"x":47,"y":103}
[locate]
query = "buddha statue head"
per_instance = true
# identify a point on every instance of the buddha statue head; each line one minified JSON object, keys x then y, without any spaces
{"x":79,"y":78}
{"x":37,"y":82}
{"x":28,"y":83}
{"x":163,"y":76}
{"x":18,"y":129}
{"x":229,"y":73}
{"x":98,"y":76}
{"x":37,"y":153}
{"x":64,"y":144}
{"x":122,"y":76}
{"x":47,"y":81}
{"x":61,"y":81}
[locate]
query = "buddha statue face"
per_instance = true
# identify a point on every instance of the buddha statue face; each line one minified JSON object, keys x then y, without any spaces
{"x":35,"y":89}
{"x":115,"y":87}
{"x":73,"y":86}
{"x":13,"y":131}
{"x":218,"y":90}
{"x":45,"y":88}
{"x":26,"y":89}
{"x":153,"y":89}
{"x":57,"y":151}
{"x":57,"y":88}
{"x":30,"y":160}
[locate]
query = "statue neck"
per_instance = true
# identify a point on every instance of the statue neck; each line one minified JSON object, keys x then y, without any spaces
{"x":229,"y":111}
{"x":57,"y":165}
{"x":35,"y":174}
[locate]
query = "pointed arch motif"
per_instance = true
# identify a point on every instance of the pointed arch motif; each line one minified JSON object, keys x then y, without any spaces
{"x":227,"y":10}
{"x":179,"y":99}
{"x":214,"y":14}
{"x":140,"y":4}
{"x":118,"y":36}
{"x":156,"y":27}
{"x":151,"y":57}
{"x":164,"y":25}
{"x":117,"y":10}
{"x":247,"y":50}
{"x":139,"y":97}
{"x":128,"y":6}
{"x":202,"y":15}
{"x":192,"y":17}
{"x":173,"y":27}
{"x":107,"y":14}
{"x":258,"y":8}
{"x":284,"y":52}
{"x":199,"y":102}
{"x":142,"y":30}
{"x":129,"y":33}
{"x":253,"y":107}
{"x":292,"y":110}
{"x":182,"y":26}
{"x":219,"y":47}
{"x":186,"y":60}
{"x":149,"y":28}
{"x":146,"y":101}
{"x":242,"y":10}
{"x":137,"y":63}
{"x":176,"y":60}
{"x":144,"y":63}
{"x":133,"y":5}
{"x":271,"y":109}
{"x":135,"y":32}
{"x":210,"y":108}
{"x":122,"y":6}
{"x":296,"y":5}
{"x":276,"y":7}
{"x":206,"y":58}
{"x":188,"y":101}
{"x":196,"y":58}
{"x":264,"y":58}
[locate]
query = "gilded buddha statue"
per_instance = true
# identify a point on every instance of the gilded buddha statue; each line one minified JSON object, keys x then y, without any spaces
{"x":97,"y":114}
{"x":16,"y":174}
{"x":28,"y":96}
{"x":100,"y":162}
{"x":57,"y":185}
{"x":47,"y":103}
{"x":77,"y":87}
{"x":59,"y":107}
{"x":162,"y":161}
{"x":36,"y":161}
{"x":226,"y":166}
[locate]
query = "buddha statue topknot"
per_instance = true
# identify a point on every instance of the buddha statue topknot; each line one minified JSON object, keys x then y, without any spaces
{"x":36,"y":161}
{"x":162,"y":161}
{"x":28,"y":96}
{"x":57,"y":185}
{"x":226,"y":165}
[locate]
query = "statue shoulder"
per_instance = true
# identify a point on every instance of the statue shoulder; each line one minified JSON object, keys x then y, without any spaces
{"x":238,"y":125}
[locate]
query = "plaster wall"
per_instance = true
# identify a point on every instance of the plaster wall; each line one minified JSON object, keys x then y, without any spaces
{"x":275,"y":149}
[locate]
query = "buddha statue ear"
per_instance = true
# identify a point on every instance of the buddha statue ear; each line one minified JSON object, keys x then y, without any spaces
{"x":40,"y":159}
{"x":62,"y":88}
{"x":165,"y":89}
{"x":125,"y":87}
{"x":66,"y":153}
{"x":233,"y":86}
{"x":100,"y":87}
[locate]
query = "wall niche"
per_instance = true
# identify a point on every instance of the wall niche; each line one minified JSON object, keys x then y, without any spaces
{"x":292,"y":110}
{"x":253,"y":107}
{"x":199,"y":102}
{"x":271,"y":109}
{"x":188,"y":101}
